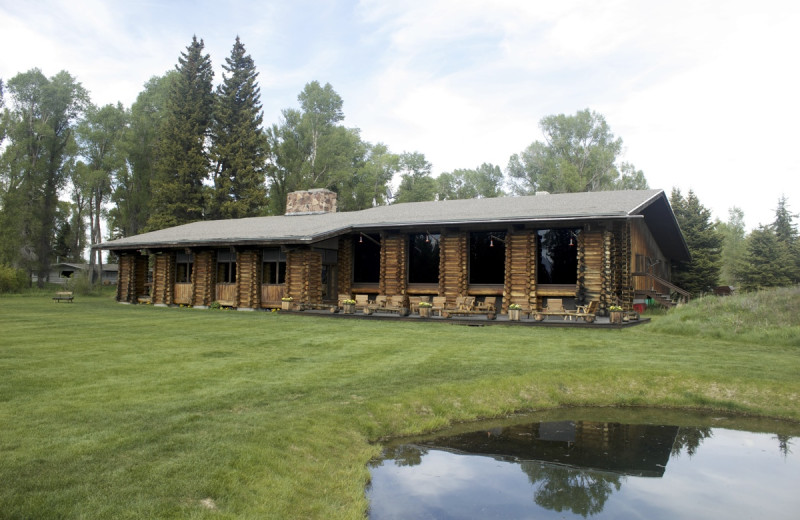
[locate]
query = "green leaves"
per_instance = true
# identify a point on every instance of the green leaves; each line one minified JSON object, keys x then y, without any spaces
{"x":580,"y":153}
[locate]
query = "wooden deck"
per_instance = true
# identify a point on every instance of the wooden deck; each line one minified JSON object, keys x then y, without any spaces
{"x":602,"y":322}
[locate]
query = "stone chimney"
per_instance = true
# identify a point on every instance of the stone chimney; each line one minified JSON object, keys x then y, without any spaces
{"x":311,"y":202}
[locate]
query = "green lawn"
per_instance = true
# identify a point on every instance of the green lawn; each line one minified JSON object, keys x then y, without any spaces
{"x":120,"y":411}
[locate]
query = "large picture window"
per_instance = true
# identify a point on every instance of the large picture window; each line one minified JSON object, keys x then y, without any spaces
{"x":226,"y":267}
{"x":184,"y":262}
{"x":366,"y":258}
{"x":273,"y":266}
{"x":423,"y":258}
{"x":557,"y":256}
{"x":487,"y":257}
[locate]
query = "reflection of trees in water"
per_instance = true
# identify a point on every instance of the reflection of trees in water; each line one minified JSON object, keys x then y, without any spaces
{"x":784,"y":443}
{"x":690,"y":439}
{"x":560,"y":488}
{"x":404,"y":455}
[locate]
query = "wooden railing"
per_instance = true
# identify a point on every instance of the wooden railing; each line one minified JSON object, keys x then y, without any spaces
{"x":183,"y":293}
{"x":659,"y":285}
{"x":226,"y":293}
{"x":271,"y":294}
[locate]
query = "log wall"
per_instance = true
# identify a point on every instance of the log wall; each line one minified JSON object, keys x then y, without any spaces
{"x":520,"y":270}
{"x":204,"y":278}
{"x":590,"y":265}
{"x":304,"y":276}
{"x":163,"y":278}
{"x":393,"y":280}
{"x":248,"y":279}
{"x":127,"y":278}
{"x":344,"y":278}
{"x":453,"y":257}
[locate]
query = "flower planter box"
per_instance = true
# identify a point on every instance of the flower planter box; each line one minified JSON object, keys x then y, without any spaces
{"x":424,"y":312}
{"x":513,"y":314}
{"x":286,"y":306}
{"x":615,"y":316}
{"x":349,"y":308}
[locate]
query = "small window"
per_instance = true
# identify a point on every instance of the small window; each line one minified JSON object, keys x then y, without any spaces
{"x":226,"y":267}
{"x":183,"y":267}
{"x":273,"y":267}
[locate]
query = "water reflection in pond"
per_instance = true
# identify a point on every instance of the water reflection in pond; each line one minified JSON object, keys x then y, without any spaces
{"x":676,"y":467}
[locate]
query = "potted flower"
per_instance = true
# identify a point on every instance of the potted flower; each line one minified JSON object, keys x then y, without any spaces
{"x":514,"y":311}
{"x":615,"y":314}
{"x":425,"y":309}
{"x":286,"y":303}
{"x":348,"y":306}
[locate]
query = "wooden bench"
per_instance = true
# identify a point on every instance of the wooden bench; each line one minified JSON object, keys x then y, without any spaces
{"x":554,"y":308}
{"x":466,"y":306}
{"x":63,"y":296}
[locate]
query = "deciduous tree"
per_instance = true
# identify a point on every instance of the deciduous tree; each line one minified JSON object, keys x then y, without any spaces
{"x":101,"y":138}
{"x":132,"y":184}
{"x":580,"y":153}
{"x":484,"y":181}
{"x":416,"y":183}
{"x":34,"y":165}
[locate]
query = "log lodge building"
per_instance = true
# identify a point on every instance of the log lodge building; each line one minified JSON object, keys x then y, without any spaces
{"x":613,"y":247}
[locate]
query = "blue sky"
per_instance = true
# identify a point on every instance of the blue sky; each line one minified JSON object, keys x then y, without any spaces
{"x":704,"y":94}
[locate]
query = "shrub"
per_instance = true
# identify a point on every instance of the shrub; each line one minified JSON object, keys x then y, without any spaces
{"x":80,"y":284}
{"x":12,"y":280}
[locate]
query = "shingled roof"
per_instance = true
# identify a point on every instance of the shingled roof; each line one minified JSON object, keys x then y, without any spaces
{"x":652,"y":205}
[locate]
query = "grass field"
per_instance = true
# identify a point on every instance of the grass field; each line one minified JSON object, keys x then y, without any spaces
{"x":119,"y":411}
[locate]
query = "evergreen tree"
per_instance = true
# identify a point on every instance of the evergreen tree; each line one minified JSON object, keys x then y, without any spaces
{"x":239,"y":146}
{"x":767,"y":261}
{"x":786,"y":233}
{"x":183,"y":162}
{"x":701,"y":273}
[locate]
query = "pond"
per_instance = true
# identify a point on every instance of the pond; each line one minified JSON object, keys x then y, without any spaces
{"x":598,"y":463}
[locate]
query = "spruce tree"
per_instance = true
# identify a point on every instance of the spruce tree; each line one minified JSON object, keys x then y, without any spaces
{"x":701,"y":273}
{"x":786,"y":234}
{"x":239,"y":145}
{"x":183,"y":162}
{"x":767,"y":261}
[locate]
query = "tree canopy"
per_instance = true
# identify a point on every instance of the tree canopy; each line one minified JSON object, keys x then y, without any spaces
{"x":239,"y":145}
{"x":183,"y":162}
{"x":35,"y":164}
{"x":701,"y":274}
{"x":580,"y":153}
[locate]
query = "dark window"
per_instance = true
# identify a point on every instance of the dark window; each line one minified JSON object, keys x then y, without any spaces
{"x":273,"y":266}
{"x":366,"y":258}
{"x":487,"y":257}
{"x":423,"y":258}
{"x":226,"y":267}
{"x":184,"y":262}
{"x":557,"y":256}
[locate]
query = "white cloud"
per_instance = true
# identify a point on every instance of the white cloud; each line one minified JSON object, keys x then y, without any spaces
{"x":703,"y":94}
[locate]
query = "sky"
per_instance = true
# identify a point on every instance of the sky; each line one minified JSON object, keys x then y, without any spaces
{"x":704,"y":94}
